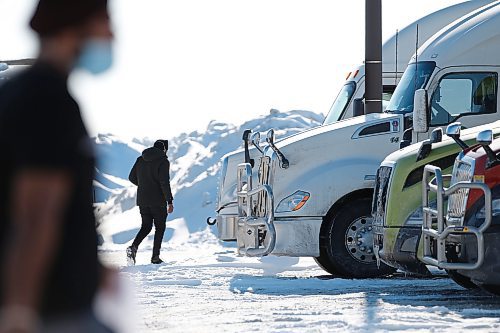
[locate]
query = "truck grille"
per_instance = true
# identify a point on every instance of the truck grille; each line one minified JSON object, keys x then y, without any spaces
{"x":222,"y":179}
{"x":380,"y":195}
{"x":264,"y":179}
{"x":457,"y":201}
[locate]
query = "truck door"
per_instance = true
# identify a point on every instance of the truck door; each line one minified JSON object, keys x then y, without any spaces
{"x":468,"y":97}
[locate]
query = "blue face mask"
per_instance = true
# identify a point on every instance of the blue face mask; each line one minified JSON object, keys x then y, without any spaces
{"x":96,"y":56}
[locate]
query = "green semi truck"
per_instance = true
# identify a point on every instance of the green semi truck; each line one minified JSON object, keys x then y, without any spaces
{"x":397,"y":204}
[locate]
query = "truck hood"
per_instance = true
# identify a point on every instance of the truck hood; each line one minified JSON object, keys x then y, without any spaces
{"x":467,"y":135}
{"x":348,"y":128}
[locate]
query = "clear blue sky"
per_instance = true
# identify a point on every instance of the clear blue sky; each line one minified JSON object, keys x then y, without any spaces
{"x":180,"y":64}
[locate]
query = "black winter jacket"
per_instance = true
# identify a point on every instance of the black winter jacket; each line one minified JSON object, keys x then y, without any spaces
{"x":151,"y":173}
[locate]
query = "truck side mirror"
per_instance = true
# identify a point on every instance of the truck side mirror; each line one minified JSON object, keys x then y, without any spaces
{"x":358,"y":108}
{"x":246,"y":139}
{"x":420,"y":124}
{"x":270,"y":136}
{"x":255,"y":139}
{"x":436,"y":135}
{"x":484,"y":138}
{"x":426,"y":147}
{"x":406,"y":141}
{"x":453,"y":131}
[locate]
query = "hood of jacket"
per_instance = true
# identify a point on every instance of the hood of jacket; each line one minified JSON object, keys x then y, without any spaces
{"x":152,"y":154}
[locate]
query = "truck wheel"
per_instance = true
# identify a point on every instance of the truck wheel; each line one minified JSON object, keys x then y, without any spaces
{"x":346,"y":243}
{"x":461,"y":280}
{"x":325,"y":265}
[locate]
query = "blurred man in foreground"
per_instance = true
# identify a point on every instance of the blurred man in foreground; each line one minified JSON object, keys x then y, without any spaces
{"x":50,"y":272}
{"x":151,"y":173}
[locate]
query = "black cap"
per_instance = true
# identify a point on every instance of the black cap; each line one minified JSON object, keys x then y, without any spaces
{"x":51,"y":16}
{"x":161,"y":144}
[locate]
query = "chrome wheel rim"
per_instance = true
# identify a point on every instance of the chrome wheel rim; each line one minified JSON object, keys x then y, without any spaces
{"x":359,"y":240}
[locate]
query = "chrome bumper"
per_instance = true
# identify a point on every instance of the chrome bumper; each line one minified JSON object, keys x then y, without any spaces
{"x":226,"y":227}
{"x":259,"y":233}
{"x":443,"y":231}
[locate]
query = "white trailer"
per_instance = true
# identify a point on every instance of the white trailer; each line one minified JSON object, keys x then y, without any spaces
{"x":313,"y":191}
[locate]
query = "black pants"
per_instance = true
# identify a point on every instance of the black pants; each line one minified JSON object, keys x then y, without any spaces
{"x":150,"y":215}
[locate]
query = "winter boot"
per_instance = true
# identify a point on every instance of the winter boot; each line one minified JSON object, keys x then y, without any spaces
{"x":131,"y":252}
{"x":156,"y":260}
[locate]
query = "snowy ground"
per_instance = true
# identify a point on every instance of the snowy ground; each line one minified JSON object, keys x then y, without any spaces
{"x":204,"y":287}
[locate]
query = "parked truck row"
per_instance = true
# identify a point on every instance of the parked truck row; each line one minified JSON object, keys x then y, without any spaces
{"x":349,"y":193}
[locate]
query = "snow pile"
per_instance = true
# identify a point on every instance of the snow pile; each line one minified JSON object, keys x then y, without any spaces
{"x":195,"y":163}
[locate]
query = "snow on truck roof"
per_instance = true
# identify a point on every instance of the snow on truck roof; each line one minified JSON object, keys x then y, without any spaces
{"x":472,"y":40}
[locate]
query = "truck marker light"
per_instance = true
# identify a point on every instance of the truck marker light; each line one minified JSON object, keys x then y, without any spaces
{"x":348,"y":75}
{"x":478,"y":179}
{"x":355,"y":73}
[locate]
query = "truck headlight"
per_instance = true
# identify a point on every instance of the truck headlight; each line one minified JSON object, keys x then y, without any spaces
{"x":417,"y":217}
{"x":293,"y":202}
{"x":495,"y":210}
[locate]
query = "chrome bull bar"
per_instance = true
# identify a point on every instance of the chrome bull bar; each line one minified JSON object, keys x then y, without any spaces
{"x":443,"y":230}
{"x":256,"y":235}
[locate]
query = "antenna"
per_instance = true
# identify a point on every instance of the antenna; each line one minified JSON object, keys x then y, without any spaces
{"x":416,"y":60}
{"x":396,"y":70}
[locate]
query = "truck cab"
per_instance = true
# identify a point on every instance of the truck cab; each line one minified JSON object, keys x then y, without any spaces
{"x":464,"y":87}
{"x":397,"y":203}
{"x":396,"y":52}
{"x":313,"y":191}
{"x":349,"y":102}
{"x":462,"y":232}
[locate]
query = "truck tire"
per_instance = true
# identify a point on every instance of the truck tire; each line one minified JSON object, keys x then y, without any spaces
{"x":492,"y":289}
{"x":346,"y":243}
{"x":326,"y":266}
{"x":461,"y":280}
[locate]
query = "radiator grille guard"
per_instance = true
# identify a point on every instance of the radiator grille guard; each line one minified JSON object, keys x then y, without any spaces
{"x":437,"y":226}
{"x":457,"y":202}
{"x":264,"y":179}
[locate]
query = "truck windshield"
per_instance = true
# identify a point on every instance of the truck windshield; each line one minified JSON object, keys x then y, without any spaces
{"x":340,"y":104}
{"x":415,"y":77}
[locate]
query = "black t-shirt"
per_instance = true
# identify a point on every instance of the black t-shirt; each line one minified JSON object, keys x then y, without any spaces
{"x":41,"y":128}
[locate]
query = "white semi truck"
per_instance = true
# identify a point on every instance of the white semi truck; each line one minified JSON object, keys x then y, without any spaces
{"x":310,"y":194}
{"x":396,"y":53}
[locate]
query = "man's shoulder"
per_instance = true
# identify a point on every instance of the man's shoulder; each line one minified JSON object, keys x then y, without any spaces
{"x":29,"y":95}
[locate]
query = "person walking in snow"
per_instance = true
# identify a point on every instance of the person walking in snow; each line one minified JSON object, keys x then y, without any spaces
{"x":151,"y":173}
